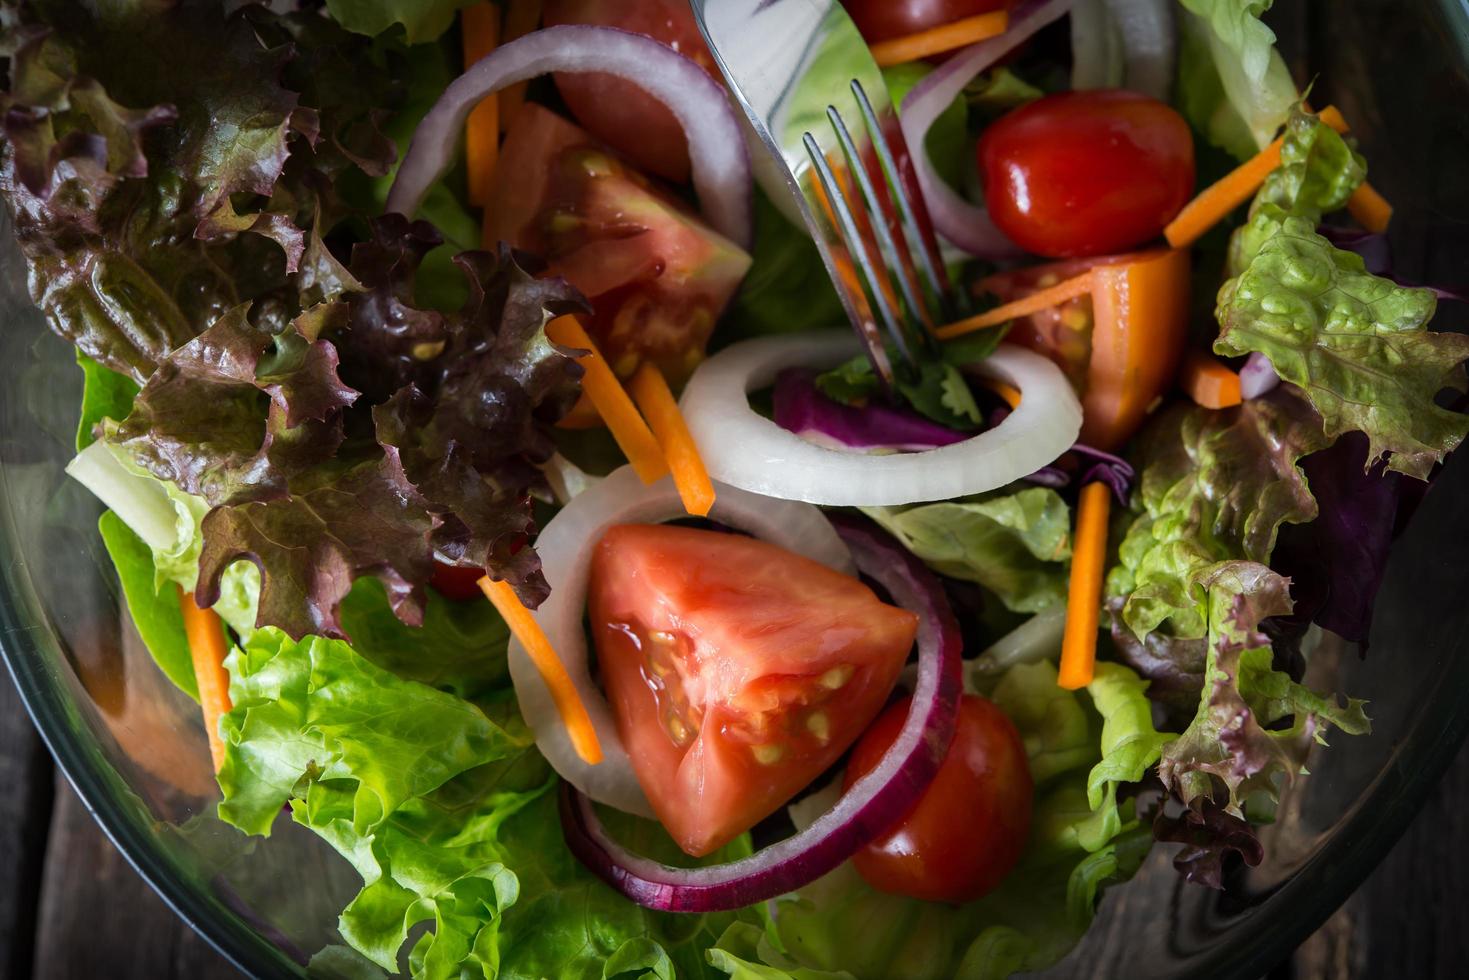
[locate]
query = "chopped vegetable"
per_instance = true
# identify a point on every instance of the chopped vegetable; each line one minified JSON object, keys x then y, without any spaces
{"x":1209,"y":383}
{"x":940,"y":40}
{"x":568,"y":703}
{"x":1041,"y":299}
{"x":667,"y":422}
{"x":480,"y":25}
{"x":1084,"y":597}
{"x":1370,"y":209}
{"x":1235,"y":188}
{"x":611,"y":400}
{"x":208,"y":649}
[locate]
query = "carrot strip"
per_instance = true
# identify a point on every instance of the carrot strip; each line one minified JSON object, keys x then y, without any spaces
{"x":1210,"y":206}
{"x":1084,"y":600}
{"x":601,"y":386}
{"x":583,"y":415}
{"x":937,"y":40}
{"x":563,"y":692}
{"x":207,"y":648}
{"x":651,"y":392}
{"x":1009,"y":393}
{"x":1041,"y":299}
{"x":1370,"y":209}
{"x":1209,"y":383}
{"x":522,"y":17}
{"x":481,"y":27}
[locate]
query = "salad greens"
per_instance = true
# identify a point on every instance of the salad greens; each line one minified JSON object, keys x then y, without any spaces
{"x":1233,"y":85}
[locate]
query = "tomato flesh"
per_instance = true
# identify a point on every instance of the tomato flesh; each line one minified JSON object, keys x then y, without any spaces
{"x":737,"y":671}
{"x":616,"y":111}
{"x":968,"y":829}
{"x":1119,"y":345}
{"x":1086,"y":173}
{"x":657,"y":276}
{"x":883,"y":20}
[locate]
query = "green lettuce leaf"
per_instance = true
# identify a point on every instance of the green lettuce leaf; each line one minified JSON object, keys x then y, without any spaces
{"x":1356,"y":344}
{"x":1238,"y":736}
{"x":422,"y":20}
{"x":840,"y":925}
{"x":787,"y":289}
{"x":1015,"y":545}
{"x":105,"y":395}
{"x":1216,"y":486}
{"x":154,"y":607}
{"x":1233,"y":86}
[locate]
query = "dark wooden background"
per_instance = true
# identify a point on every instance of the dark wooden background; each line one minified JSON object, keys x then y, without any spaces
{"x":70,"y":906}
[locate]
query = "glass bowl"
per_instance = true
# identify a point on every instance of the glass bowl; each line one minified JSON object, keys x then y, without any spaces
{"x":134,"y":748}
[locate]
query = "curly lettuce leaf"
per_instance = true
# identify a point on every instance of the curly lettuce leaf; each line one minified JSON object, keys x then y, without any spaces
{"x":1015,"y":545}
{"x":448,"y":813}
{"x":1357,"y":345}
{"x":1239,"y":736}
{"x":1233,"y":86}
{"x":1209,"y":837}
{"x":840,"y":925}
{"x":1216,"y":486}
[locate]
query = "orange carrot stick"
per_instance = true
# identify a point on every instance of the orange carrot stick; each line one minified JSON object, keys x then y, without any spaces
{"x":1370,"y":208}
{"x":601,"y":386}
{"x":1009,"y":393}
{"x":481,"y":27}
{"x":1084,"y":600}
{"x":937,"y":40}
{"x":563,"y":692}
{"x":1208,"y":382}
{"x":522,"y":17}
{"x":207,"y":648}
{"x":1210,"y":206}
{"x":650,"y":390}
{"x":1041,"y":299}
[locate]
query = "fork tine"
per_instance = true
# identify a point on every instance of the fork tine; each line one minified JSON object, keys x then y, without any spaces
{"x":857,"y":246}
{"x":929,"y":261}
{"x":899,"y":262}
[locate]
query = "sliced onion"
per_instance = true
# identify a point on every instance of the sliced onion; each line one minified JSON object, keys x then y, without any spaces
{"x":721,"y":166}
{"x":967,"y":227}
{"x":1123,"y":43}
{"x":565,"y":546}
{"x":873,"y":804}
{"x":1036,"y":639}
{"x":1257,"y":376}
{"x":745,"y":450}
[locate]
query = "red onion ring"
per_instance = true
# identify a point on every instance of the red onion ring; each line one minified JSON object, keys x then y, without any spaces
{"x":870,"y":808}
{"x":721,"y":167}
{"x":965,"y":226}
{"x":1257,"y":377}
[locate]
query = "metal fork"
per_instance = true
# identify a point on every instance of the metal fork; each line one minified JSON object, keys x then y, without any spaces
{"x":803,"y":75}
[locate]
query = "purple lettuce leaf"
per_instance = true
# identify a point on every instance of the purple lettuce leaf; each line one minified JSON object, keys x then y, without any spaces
{"x":1210,"y":836}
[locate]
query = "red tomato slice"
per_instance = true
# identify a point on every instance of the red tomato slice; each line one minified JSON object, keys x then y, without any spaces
{"x":737,"y":671}
{"x":969,"y":827}
{"x":1086,"y":173}
{"x":1119,"y":346}
{"x":618,"y":112}
{"x":883,"y":20}
{"x":657,"y":276}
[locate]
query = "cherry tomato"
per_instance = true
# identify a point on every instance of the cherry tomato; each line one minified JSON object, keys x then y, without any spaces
{"x":1086,"y":173}
{"x":969,"y":827}
{"x":618,"y":112}
{"x":881,"y":20}
{"x":737,"y":671}
{"x":456,"y":582}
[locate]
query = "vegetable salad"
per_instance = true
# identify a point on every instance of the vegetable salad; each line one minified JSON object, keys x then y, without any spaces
{"x":482,"y":446}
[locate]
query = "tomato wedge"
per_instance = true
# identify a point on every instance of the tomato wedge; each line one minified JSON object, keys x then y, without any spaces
{"x":736,"y":670}
{"x":1120,"y":345}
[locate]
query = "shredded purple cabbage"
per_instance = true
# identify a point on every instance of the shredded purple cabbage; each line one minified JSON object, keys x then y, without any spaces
{"x":1094,"y":465}
{"x":800,"y":407}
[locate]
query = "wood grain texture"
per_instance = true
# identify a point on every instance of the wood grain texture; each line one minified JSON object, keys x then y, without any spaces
{"x":97,"y":918}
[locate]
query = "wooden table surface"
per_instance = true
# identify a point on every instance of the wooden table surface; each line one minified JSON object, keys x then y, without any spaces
{"x":70,"y":906}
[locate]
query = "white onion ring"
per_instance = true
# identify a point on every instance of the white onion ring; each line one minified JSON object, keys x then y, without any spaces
{"x":720,"y":164}
{"x":565,"y":546}
{"x":746,"y":450}
{"x":965,"y":226}
{"x":1123,"y":43}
